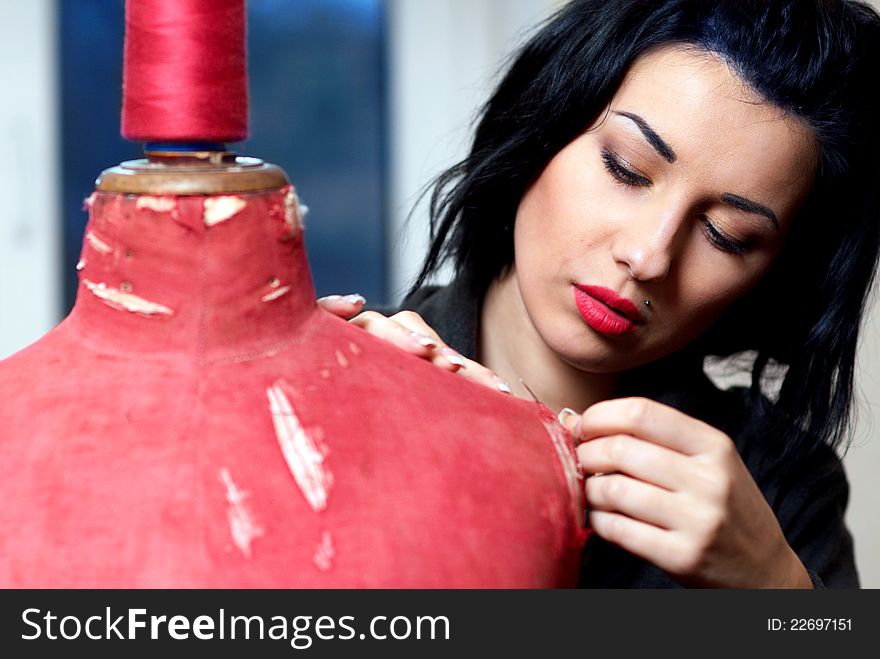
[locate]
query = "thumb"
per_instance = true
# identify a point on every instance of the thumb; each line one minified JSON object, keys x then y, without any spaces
{"x":571,"y":421}
{"x":344,"y":306}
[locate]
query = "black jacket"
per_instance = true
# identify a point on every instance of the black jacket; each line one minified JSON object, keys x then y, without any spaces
{"x":809,"y":503}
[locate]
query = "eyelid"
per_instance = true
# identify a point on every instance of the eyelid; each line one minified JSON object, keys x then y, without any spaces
{"x":722,"y":240}
{"x":622,"y":171}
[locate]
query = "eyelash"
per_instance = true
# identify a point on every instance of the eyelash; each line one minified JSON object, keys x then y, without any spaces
{"x":630,"y":179}
{"x":622,"y":174}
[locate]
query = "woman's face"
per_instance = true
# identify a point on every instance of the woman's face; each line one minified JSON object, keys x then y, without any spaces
{"x":681,"y":194}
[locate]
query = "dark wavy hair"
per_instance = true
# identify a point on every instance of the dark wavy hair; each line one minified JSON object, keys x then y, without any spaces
{"x":818,"y":60}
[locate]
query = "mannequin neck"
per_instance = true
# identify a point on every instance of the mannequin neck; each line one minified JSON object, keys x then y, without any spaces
{"x":213,"y":278}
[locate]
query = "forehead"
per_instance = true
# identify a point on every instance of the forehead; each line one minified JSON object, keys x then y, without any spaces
{"x":718,"y":127}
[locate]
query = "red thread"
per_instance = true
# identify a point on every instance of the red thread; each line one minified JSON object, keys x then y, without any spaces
{"x":185,"y":71}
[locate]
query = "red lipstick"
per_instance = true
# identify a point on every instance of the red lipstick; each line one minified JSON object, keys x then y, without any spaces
{"x":605,"y":311}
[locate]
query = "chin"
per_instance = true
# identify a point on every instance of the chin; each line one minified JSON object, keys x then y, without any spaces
{"x":596,"y":367}
{"x":596,"y":354}
{"x":606,"y":355}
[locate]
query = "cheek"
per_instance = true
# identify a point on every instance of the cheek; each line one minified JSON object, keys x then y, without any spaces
{"x":709,"y":285}
{"x":537,"y":230}
{"x":562,"y":217}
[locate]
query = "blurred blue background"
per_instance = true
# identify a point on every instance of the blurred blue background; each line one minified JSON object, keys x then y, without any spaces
{"x":317,"y":106}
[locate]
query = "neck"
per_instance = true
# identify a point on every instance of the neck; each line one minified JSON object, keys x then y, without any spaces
{"x":511,"y":346}
{"x":199,"y":278}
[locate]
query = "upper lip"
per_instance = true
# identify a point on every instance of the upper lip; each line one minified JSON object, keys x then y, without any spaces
{"x":610,"y":298}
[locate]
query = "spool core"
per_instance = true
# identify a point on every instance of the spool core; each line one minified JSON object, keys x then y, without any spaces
{"x":185,"y":172}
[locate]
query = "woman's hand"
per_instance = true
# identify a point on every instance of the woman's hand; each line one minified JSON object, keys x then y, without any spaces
{"x":674,"y":491}
{"x":344,"y":306}
{"x":409,"y":332}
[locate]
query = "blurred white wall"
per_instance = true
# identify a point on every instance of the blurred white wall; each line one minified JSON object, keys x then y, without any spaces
{"x":442,"y":55}
{"x":29,"y":227}
{"x":863,"y":459}
{"x":443,"y":59}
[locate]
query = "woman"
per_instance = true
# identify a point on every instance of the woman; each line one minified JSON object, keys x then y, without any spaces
{"x":652,"y":183}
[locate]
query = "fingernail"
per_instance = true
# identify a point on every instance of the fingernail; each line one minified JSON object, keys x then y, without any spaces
{"x":355,"y":298}
{"x":502,"y":385}
{"x":330,"y":298}
{"x":565,"y":415}
{"x":573,"y":426}
{"x":453,"y":357}
{"x":422,"y":340}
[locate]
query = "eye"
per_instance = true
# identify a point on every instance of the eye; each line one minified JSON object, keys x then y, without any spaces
{"x":721,"y":240}
{"x":627,"y":177}
{"x":622,"y":174}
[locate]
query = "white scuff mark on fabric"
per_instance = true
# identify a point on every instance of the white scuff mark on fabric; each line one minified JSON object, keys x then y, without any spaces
{"x":325,"y":373}
{"x":274,"y":295}
{"x":98,"y":244}
{"x":325,"y":552}
{"x":341,"y":359}
{"x":89,"y":201}
{"x":294,"y":211}
{"x":355,"y":348}
{"x":158,"y":204}
{"x":553,"y":510}
{"x":219,"y":209}
{"x":303,"y":452}
{"x":81,"y":264}
{"x":127,"y":301}
{"x":242,"y":526}
{"x":570,"y":466}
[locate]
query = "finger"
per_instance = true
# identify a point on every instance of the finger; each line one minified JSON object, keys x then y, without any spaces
{"x":571,"y":420}
{"x":468,"y":368}
{"x":415,"y":323}
{"x":442,"y":355}
{"x":636,"y":499}
{"x":649,"y":542}
{"x":344,"y":306}
{"x":651,"y":421}
{"x":480,"y":374}
{"x":447,"y":357}
{"x":669,"y":550}
{"x":635,"y":457}
{"x":410,"y":332}
{"x":396,"y":334}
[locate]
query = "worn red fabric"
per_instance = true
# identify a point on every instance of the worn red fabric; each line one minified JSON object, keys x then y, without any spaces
{"x":143,"y":439}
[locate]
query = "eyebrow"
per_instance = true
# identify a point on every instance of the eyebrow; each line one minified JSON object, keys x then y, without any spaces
{"x":750,"y":206}
{"x":661,"y":147}
{"x":650,"y":134}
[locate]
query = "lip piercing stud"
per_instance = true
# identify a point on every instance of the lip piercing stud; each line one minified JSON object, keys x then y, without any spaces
{"x":647,"y":303}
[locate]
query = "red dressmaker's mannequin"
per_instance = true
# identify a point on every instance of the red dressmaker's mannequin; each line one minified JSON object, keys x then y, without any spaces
{"x":197,"y":422}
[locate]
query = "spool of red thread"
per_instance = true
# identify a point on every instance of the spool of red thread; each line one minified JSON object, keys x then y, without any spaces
{"x":179,"y":86}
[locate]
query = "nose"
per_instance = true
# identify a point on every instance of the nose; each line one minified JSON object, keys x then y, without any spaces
{"x":646,"y":246}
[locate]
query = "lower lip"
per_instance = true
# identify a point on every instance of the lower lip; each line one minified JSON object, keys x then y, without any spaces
{"x":600,"y":316}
